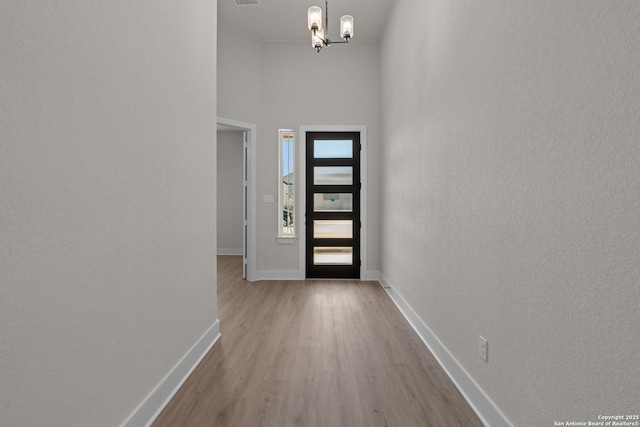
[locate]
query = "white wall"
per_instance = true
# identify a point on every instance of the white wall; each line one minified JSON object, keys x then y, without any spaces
{"x":339,"y":86}
{"x":511,"y":202}
{"x":229,"y":192}
{"x":107,"y":203}
{"x":239,"y":89}
{"x":269,"y":84}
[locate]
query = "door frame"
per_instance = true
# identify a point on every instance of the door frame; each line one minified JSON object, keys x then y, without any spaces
{"x":302,"y":189}
{"x":249,"y":245}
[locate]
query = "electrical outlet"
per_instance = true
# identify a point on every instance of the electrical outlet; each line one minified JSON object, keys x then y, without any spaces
{"x":483,"y":348}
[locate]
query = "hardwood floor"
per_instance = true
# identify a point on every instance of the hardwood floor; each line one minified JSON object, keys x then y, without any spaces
{"x":314,"y":353}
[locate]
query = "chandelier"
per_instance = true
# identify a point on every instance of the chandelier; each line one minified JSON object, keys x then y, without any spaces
{"x":320,"y":35}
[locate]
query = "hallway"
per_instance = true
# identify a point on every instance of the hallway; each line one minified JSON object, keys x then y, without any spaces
{"x":314,"y":353}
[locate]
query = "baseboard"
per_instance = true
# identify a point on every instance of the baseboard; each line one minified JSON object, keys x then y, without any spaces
{"x":299,"y":275}
{"x":279,"y":275}
{"x":487,"y":411}
{"x":154,"y":403}
{"x":230,"y":251}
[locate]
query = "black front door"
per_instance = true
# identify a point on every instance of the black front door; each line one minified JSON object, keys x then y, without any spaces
{"x":333,"y":205}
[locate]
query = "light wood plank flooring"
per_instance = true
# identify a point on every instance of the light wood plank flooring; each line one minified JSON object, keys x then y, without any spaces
{"x":333,"y":353}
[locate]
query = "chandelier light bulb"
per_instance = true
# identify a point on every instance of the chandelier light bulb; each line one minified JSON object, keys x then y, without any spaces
{"x":317,"y":39}
{"x":315,"y":18}
{"x":346,"y":26}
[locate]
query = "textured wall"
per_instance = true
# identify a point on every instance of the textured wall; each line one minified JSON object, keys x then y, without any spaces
{"x":107,"y":203}
{"x":511,"y":179}
{"x":230,"y":190}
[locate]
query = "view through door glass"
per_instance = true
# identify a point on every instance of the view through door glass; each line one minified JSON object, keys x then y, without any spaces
{"x":333,"y":205}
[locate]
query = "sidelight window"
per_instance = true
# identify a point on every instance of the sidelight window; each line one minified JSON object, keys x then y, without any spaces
{"x":286,"y":187}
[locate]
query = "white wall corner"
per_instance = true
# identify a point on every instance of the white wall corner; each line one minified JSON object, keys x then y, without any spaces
{"x":149,"y":409}
{"x":487,"y":411}
{"x":370,"y":275}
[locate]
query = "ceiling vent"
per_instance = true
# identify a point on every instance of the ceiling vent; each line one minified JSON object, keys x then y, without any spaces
{"x":246,"y":2}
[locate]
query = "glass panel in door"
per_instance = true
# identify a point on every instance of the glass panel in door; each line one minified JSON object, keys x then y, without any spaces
{"x":329,"y":255}
{"x":333,"y":175}
{"x":332,"y":202}
{"x":333,"y":228}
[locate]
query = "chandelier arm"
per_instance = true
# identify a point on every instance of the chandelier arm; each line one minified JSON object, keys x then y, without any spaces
{"x":326,"y":18}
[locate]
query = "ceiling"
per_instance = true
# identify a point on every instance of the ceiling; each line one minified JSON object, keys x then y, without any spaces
{"x":286,"y":20}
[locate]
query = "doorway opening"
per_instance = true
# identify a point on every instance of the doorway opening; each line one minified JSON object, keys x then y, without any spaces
{"x":245,"y":208}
